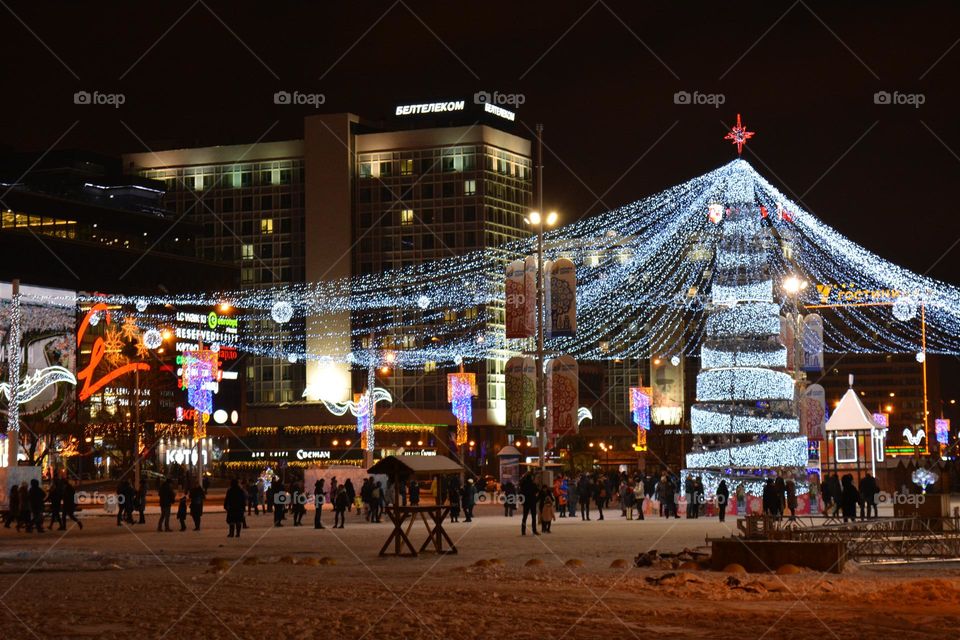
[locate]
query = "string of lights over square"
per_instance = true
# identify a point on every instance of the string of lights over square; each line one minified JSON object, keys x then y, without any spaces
{"x":646,"y":275}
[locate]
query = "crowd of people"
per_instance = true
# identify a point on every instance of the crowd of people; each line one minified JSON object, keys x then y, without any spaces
{"x":569,"y":495}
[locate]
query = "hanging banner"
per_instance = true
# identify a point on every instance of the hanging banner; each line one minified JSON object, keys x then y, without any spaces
{"x":561,"y":298}
{"x":666,"y":381}
{"x":530,"y":296}
{"x":521,"y":387}
{"x":811,"y":338}
{"x":563,"y":396}
{"x":788,"y":339}
{"x":813,"y":413}
{"x":514,"y":302}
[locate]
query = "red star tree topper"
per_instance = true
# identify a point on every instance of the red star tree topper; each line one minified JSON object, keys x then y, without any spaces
{"x":739,"y":135}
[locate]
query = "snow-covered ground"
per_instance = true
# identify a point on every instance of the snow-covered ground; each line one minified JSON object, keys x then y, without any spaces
{"x":120,"y":582}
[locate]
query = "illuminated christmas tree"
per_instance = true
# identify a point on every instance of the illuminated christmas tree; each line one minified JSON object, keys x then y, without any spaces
{"x":744,"y":424}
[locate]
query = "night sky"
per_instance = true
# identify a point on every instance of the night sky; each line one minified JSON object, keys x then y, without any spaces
{"x":600,"y":76}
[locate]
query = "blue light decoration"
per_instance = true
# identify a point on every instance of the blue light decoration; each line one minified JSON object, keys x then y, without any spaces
{"x":942,"y":427}
{"x":640,"y":410}
{"x":199,"y":369}
{"x":461,"y":387}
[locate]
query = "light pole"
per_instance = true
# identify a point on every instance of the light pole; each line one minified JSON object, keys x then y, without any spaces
{"x":539,"y":222}
{"x":793,"y":285}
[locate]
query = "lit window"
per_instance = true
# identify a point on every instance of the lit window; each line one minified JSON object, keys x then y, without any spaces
{"x":406,"y":217}
{"x":846,"y":447}
{"x":247,"y":275}
{"x":406,"y":167}
{"x":366,"y":169}
{"x":266,"y":225}
{"x":450,"y":315}
{"x":429,"y":366}
{"x":246,"y":252}
{"x":469,"y":187}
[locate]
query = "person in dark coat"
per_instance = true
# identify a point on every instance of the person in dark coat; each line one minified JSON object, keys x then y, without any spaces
{"x":599,"y":495}
{"x":509,"y":499}
{"x":780,"y":489}
{"x":414,"y":492}
{"x":318,"y":499}
{"x":529,"y":491}
{"x":197,"y":496}
{"x":235,"y":504}
{"x":69,"y":505}
{"x":13,"y":507}
{"x":166,"y":496}
{"x":769,"y":498}
{"x":836,"y":493}
{"x":280,"y":499}
{"x":182,"y":512}
{"x":142,"y":502}
{"x":351,"y":494}
{"x":849,"y":499}
{"x":791,"y":488}
{"x":56,"y":503}
{"x":723,"y":499}
{"x":340,"y":503}
{"x":585,"y":495}
{"x":468,"y":500}
{"x":37,"y":496}
{"x":23,"y":519}
{"x":298,"y":505}
{"x":868,"y":495}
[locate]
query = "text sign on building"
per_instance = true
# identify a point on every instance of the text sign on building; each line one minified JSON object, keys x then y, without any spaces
{"x":430,"y":107}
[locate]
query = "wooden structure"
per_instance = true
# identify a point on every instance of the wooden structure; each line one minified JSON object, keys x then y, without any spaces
{"x":399,"y":469}
{"x":855,"y":442}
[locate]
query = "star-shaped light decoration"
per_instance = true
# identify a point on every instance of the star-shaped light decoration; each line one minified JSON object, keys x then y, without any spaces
{"x":739,"y":135}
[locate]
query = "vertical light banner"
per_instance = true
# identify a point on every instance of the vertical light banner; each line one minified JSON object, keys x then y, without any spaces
{"x":461,"y":388}
{"x":521,"y":384}
{"x":530,"y":296}
{"x":563,"y":396}
{"x":199,"y":377}
{"x":811,"y":338}
{"x":561,"y":298}
{"x":788,"y":339}
{"x":813,"y":410}
{"x":666,"y":382}
{"x":942,"y":426}
{"x":514,"y":303}
{"x":640,"y":402}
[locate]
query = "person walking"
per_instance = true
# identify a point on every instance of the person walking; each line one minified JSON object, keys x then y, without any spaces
{"x":298,"y":506}
{"x":280,"y":500}
{"x":599,"y":495}
{"x":584,"y":495}
{"x":572,"y":496}
{"x":376,"y":499}
{"x":547,"y":511}
{"x":197,"y":496}
{"x":340,"y":503}
{"x":318,"y":499}
{"x":182,"y":512}
{"x":414,"y":492}
{"x":24,"y":520}
{"x":780,"y":490}
{"x":166,"y":496}
{"x":352,"y":495}
{"x":849,"y":499}
{"x":253,"y":498}
{"x":529,"y":491}
{"x":36,"y":496}
{"x":235,"y":503}
{"x":69,"y":505}
{"x":469,"y":499}
{"x":509,"y":499}
{"x":723,"y":500}
{"x":56,"y":503}
{"x":639,"y":494}
{"x":13,"y":507}
{"x":791,"y":488}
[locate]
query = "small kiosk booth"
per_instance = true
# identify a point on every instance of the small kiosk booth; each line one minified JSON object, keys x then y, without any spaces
{"x":854,"y":440}
{"x":399,"y":469}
